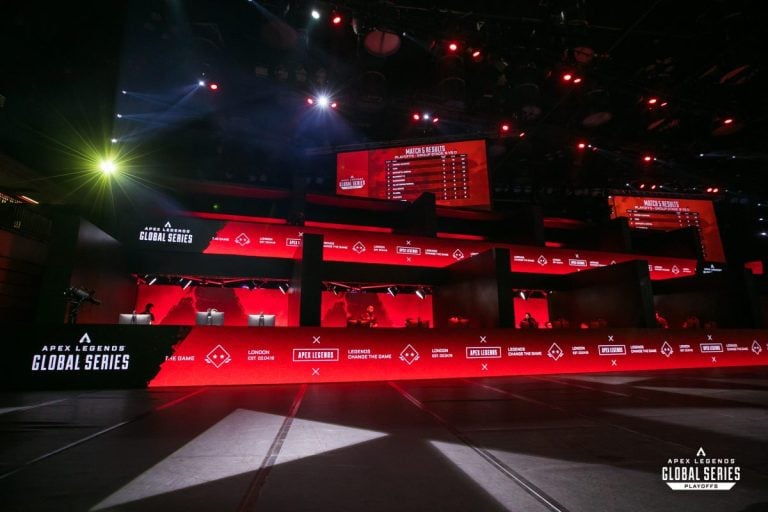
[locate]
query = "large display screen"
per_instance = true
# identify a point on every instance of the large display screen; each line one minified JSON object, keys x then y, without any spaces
{"x":455,"y":172}
{"x":667,"y":214}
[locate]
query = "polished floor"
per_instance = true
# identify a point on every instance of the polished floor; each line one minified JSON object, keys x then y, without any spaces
{"x":554,"y":443}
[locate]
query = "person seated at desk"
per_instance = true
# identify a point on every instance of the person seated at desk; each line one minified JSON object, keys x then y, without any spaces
{"x":148,"y":311}
{"x":528,"y":322}
{"x":368,"y":318}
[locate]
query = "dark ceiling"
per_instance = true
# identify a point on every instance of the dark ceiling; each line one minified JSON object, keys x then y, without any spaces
{"x":66,"y":65}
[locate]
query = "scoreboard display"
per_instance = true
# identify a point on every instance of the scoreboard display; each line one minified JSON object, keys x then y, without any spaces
{"x":455,"y":172}
{"x":667,"y":214}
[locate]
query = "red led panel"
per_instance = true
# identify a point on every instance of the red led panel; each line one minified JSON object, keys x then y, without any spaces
{"x":259,"y":355}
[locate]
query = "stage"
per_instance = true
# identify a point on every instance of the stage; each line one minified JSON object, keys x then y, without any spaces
{"x":532,"y":443}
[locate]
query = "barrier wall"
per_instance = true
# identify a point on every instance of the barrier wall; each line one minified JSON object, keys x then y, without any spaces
{"x":101,"y":356}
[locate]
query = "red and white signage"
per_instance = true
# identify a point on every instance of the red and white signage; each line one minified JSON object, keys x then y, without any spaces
{"x":239,"y":355}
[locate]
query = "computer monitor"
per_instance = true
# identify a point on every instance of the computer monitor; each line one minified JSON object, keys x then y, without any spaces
{"x":134,"y":319}
{"x":261,"y":320}
{"x":209,"y":317}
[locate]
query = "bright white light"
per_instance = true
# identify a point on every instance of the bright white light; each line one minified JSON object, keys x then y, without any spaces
{"x":114,"y":141}
{"x":107,"y":166}
{"x":201,"y":83}
{"x":425,"y":116}
{"x":119,"y":116}
{"x":234,"y":447}
{"x":323,"y":101}
{"x":315,"y":14}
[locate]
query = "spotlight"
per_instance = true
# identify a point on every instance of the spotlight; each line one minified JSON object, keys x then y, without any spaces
{"x":113,"y":140}
{"x":214,"y":86}
{"x":119,"y":116}
{"x":322,"y":101}
{"x":653,"y":101}
{"x":522,"y":295}
{"x":336,"y":19}
{"x":648,"y":158}
{"x":315,"y":14}
{"x":187,"y":284}
{"x":435,"y":120}
{"x":425,"y":117}
{"x":728,"y":120}
{"x":201,"y":83}
{"x":333,"y":105}
{"x":392,"y":290}
{"x":421,"y":293}
{"x":283,"y":287}
{"x":108,"y":167}
{"x":577,"y":80}
{"x":124,"y":91}
{"x":453,"y":46}
{"x":522,"y":134}
{"x":152,"y":281}
{"x":476,"y":55}
{"x":581,"y":145}
{"x":416,"y":117}
{"x":310,"y":101}
{"x":505,"y":127}
{"x":567,"y":77}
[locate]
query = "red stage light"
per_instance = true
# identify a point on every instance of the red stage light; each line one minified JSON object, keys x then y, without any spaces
{"x":334,"y":104}
{"x":728,"y":120}
{"x":664,"y":104}
{"x":452,"y":46}
{"x":522,"y":134}
{"x":577,"y":80}
{"x":567,"y":77}
{"x":653,"y":187}
{"x":505,"y":127}
{"x":214,"y":86}
{"x":476,"y":54}
{"x":581,"y":145}
{"x":715,"y":190}
{"x":416,"y":117}
{"x":648,"y":158}
{"x":435,"y":119}
{"x":336,"y":19}
{"x":709,"y":190}
{"x":653,"y":101}
{"x":310,"y":101}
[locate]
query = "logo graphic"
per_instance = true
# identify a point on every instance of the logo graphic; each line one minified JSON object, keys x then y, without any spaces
{"x":293,"y":242}
{"x":218,"y":356}
{"x":483,"y":352}
{"x":414,"y":251}
{"x":85,"y":338}
{"x":542,"y":260}
{"x":409,"y":355}
{"x":555,"y":352}
{"x":675,"y":269}
{"x":612,"y":350}
{"x":315,"y":355}
{"x":359,"y":247}
{"x":242,"y":240}
{"x":666,"y":349}
{"x":351,"y":183}
{"x":167,"y":234}
{"x":756,"y":348}
{"x":707,"y":348}
{"x":458,"y":255}
{"x":701,"y":473}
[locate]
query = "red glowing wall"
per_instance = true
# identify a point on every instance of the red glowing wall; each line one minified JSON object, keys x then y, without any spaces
{"x":389,"y":311}
{"x":231,"y":355}
{"x":175,"y":306}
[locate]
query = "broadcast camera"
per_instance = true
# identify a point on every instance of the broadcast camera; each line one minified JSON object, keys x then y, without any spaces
{"x":75,"y":297}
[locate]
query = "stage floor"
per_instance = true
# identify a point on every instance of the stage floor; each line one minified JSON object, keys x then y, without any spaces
{"x":557,"y":443}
